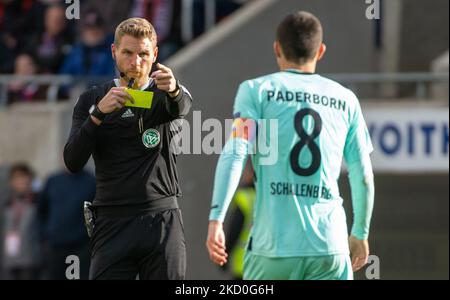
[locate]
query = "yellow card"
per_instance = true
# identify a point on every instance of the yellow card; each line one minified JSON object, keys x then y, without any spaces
{"x":142,"y":99}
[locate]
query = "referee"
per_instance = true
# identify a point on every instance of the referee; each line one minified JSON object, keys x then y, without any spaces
{"x":138,"y":227}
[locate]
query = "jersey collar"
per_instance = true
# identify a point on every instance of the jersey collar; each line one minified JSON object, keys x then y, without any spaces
{"x":149,"y":83}
{"x":298,"y":72}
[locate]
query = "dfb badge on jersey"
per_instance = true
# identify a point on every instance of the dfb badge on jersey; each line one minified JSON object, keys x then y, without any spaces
{"x":151,"y":138}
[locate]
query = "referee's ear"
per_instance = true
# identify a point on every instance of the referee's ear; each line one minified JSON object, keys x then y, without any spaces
{"x":321,"y":52}
{"x":113,"y":51}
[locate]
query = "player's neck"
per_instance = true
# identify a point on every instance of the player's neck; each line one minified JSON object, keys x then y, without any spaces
{"x":305,"y":68}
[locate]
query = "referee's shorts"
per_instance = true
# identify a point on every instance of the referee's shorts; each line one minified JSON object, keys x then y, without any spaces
{"x":128,"y":242}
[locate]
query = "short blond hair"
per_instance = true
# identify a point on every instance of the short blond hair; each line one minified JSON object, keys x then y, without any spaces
{"x":136,"y":27}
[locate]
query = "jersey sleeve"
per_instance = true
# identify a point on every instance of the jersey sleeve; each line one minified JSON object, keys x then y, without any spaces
{"x":358,"y":142}
{"x":245,"y":105}
{"x":81,"y":142}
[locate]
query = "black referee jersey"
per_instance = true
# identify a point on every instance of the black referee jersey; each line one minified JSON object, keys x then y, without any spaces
{"x":134,"y":161}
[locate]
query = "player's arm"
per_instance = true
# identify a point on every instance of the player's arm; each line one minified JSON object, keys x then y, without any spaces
{"x":363,"y":194}
{"x":357,"y":156}
{"x":228,"y":173}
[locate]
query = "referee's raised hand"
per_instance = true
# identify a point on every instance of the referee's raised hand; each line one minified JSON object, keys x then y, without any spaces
{"x":165,"y":80}
{"x":115,"y":99}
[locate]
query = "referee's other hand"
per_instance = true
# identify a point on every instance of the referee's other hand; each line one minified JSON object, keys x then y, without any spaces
{"x":114,"y":100}
{"x":165,"y":80}
{"x":215,"y":243}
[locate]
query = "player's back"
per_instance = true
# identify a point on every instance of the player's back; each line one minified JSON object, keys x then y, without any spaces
{"x":299,"y":211}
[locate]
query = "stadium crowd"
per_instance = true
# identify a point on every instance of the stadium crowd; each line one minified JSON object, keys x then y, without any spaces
{"x":36,"y":37}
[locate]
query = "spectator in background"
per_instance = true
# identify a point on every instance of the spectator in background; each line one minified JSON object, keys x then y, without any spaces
{"x":224,"y":8}
{"x":166,"y":18}
{"x":21,"y":251}
{"x":92,"y":55}
{"x":19,"y":19}
{"x":22,"y":91}
{"x":60,"y":210}
{"x":51,"y":2}
{"x":112,"y":11}
{"x":4,"y":195}
{"x":7,"y":47}
{"x":54,"y":43}
{"x":198,"y":16}
{"x":178,"y":22}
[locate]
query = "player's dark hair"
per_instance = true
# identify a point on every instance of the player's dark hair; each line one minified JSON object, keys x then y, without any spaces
{"x":300,"y":35}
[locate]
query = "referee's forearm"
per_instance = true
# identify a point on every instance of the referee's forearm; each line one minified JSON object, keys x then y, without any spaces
{"x":179,"y":106}
{"x":80,"y":145}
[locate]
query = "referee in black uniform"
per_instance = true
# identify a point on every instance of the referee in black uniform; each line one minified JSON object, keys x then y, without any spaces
{"x":138,"y":227}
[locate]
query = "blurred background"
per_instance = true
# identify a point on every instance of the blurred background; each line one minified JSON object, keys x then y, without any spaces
{"x":397,"y":64}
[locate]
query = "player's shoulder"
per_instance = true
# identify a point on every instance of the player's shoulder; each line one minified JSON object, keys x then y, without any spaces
{"x":264,"y":80}
{"x":344,"y":93}
{"x":336,"y":86}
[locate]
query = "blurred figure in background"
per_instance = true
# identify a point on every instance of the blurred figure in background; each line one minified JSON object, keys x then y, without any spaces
{"x":19,"y":19}
{"x":178,"y":22}
{"x":4,"y":195}
{"x":166,"y":18}
{"x":112,"y":11}
{"x":198,"y":10}
{"x":7,"y":44}
{"x":22,"y":91}
{"x":60,"y":211}
{"x":92,"y":55}
{"x":21,"y":249}
{"x":54,"y":43}
{"x":240,"y":222}
{"x":227,"y":7}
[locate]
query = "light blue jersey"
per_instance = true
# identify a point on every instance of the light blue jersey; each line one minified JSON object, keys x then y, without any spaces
{"x":298,"y":211}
